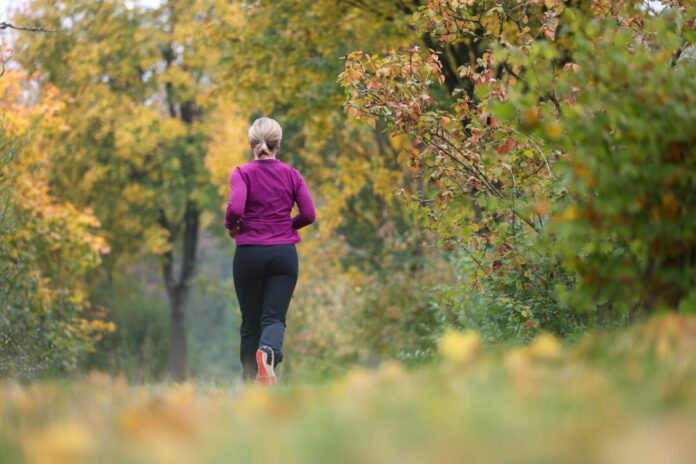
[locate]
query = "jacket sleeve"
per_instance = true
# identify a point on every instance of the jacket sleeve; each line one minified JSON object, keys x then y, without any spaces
{"x":237,"y":200}
{"x":303,"y":198}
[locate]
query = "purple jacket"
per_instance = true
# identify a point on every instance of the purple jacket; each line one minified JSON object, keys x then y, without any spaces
{"x":262,"y":194}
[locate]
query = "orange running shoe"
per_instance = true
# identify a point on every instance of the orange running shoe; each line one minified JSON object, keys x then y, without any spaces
{"x":264,"y":360}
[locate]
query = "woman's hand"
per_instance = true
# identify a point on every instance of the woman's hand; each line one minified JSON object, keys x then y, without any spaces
{"x":233,"y":231}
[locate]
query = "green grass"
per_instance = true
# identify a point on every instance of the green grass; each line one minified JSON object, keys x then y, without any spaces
{"x":615,"y":397}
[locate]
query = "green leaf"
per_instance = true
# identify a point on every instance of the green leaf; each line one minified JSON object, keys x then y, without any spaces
{"x":504,"y":111}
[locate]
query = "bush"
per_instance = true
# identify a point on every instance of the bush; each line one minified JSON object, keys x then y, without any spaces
{"x":626,"y":227}
{"x":46,"y":246}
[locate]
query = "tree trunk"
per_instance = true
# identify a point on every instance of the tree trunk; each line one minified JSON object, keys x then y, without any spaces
{"x":178,"y":291}
{"x":177,"y":338}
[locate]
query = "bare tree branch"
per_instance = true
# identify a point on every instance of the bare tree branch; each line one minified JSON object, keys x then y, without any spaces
{"x":5,"y":25}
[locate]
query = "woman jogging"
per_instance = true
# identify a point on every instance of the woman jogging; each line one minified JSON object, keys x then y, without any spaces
{"x":265,"y":266}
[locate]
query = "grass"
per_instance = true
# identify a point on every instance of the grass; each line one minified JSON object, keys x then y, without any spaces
{"x":614,"y":397}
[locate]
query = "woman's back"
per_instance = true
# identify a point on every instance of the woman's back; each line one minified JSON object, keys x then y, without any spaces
{"x":262,"y":194}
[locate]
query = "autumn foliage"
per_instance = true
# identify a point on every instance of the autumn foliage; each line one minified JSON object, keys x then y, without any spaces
{"x":47,"y":245}
{"x":559,"y":155}
{"x":503,"y":266}
{"x":509,"y":167}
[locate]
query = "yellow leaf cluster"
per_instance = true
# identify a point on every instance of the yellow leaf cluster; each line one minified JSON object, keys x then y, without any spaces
{"x":66,"y":442}
{"x":459,"y":347}
{"x":156,"y":240}
{"x":228,"y":147}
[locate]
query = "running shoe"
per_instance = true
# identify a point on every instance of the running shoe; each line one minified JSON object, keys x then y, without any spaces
{"x":264,"y":360}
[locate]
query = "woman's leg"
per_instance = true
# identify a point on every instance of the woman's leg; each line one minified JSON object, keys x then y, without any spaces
{"x":248,"y":274}
{"x":281,"y":278}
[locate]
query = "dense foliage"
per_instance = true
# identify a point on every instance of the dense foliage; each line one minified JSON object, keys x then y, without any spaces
{"x":562,"y":176}
{"x":628,"y":225}
{"x":47,"y":245}
{"x":509,"y":166}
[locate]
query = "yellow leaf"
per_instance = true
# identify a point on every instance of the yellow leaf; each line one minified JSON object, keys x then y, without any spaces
{"x":553,"y":130}
{"x":545,"y":346}
{"x":58,"y":443}
{"x":460,"y":347}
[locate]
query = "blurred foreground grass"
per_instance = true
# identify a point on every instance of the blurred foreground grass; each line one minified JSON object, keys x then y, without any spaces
{"x":620,"y":397}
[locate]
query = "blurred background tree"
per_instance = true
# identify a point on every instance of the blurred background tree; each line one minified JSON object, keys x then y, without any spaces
{"x":47,"y":245}
{"x":136,"y":87}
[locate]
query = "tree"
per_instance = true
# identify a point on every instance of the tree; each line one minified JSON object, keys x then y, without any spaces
{"x":487,"y":185}
{"x":47,"y":245}
{"x":136,"y":88}
{"x":494,"y":170}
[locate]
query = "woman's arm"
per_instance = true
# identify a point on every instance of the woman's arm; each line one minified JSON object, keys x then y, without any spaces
{"x":237,"y":200}
{"x":303,"y":198}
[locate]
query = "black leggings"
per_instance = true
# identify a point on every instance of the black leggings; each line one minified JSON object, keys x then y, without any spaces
{"x":264,"y":279}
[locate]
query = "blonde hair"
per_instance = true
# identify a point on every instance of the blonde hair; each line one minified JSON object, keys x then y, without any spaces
{"x":265,"y":135}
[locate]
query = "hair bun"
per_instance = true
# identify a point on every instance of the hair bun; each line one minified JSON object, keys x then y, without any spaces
{"x":265,"y":132}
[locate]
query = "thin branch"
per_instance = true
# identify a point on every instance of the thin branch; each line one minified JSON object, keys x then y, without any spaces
{"x":5,"y":25}
{"x":539,"y":150}
{"x":552,"y":96}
